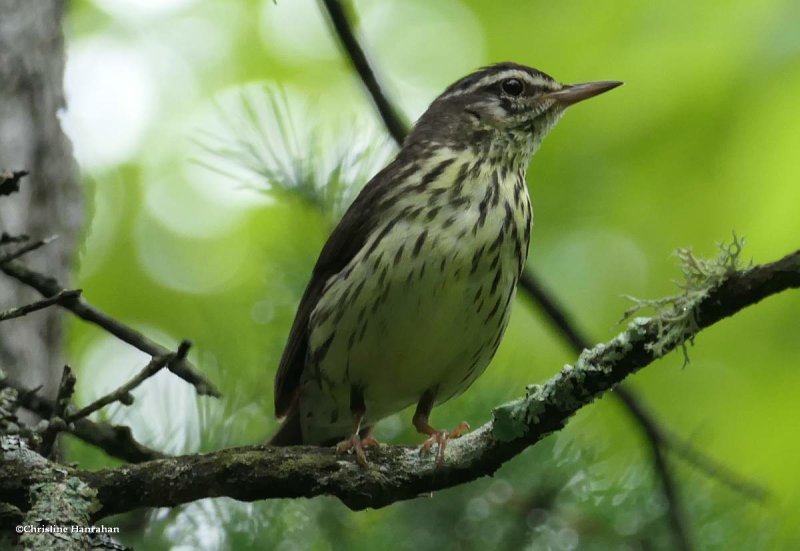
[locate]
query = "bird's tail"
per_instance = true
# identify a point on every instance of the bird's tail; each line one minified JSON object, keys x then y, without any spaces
{"x":289,"y":433}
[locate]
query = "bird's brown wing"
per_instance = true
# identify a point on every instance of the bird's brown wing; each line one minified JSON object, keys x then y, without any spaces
{"x":344,"y":243}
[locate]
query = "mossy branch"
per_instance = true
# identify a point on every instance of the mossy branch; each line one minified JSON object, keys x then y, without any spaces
{"x":399,"y":473}
{"x":676,"y":315}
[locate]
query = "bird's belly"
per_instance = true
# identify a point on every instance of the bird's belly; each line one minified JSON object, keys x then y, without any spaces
{"x":425,"y":314}
{"x":430,"y":335}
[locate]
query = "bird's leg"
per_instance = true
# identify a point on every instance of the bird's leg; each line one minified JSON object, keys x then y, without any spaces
{"x":356,"y":442}
{"x":435,"y":436}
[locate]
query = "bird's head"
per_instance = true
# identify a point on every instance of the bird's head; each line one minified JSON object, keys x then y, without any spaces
{"x":501,"y":107}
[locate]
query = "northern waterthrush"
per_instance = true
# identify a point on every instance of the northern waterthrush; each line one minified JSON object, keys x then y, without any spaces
{"x":411,"y":294}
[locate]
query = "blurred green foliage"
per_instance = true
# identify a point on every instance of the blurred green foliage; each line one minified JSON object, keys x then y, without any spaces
{"x":192,"y":236}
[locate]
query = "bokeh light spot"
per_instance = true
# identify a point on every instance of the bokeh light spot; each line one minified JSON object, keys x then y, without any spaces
{"x":297,"y":30}
{"x":188,"y":265}
{"x":111,"y":98}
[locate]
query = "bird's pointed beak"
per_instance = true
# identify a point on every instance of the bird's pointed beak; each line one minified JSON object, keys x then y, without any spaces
{"x":573,"y":93}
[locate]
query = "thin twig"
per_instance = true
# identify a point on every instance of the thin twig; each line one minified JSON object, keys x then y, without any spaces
{"x":25,"y":249}
{"x":39,"y":304}
{"x":712,"y":468}
{"x":117,"y":441}
{"x":56,"y":422}
{"x":555,"y":313}
{"x":344,"y":32}
{"x":123,"y":393}
{"x":5,"y":238}
{"x":669,"y":486}
{"x":48,"y":287}
{"x":66,"y":388}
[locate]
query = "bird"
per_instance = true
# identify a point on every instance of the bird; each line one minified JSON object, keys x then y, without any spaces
{"x":411,"y":294}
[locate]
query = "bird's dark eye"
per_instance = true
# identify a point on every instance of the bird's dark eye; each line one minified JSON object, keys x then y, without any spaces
{"x":513,"y":86}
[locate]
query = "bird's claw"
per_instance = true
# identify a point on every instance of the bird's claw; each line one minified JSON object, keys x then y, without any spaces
{"x":440,"y":438}
{"x":358,"y":444}
{"x":462,"y":428}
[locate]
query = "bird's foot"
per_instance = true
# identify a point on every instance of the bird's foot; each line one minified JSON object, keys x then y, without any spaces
{"x":358,"y":444}
{"x":440,"y":438}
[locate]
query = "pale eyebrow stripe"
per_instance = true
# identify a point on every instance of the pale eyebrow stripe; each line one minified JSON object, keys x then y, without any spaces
{"x":510,"y":73}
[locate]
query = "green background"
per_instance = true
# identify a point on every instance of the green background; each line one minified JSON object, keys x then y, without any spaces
{"x":171,"y":104}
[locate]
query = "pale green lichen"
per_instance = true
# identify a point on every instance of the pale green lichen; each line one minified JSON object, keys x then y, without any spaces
{"x":510,"y":420}
{"x":563,"y":392}
{"x":676,"y":316}
{"x":69,"y":502}
{"x":604,"y":356}
{"x":13,"y":447}
{"x":566,"y":391}
{"x":9,"y":404}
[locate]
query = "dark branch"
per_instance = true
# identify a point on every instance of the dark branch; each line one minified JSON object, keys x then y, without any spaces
{"x":652,"y":433}
{"x":398,"y":473}
{"x":56,"y":423}
{"x":554,"y":312}
{"x":5,"y":238}
{"x":117,"y":441}
{"x":39,"y":305}
{"x":344,"y":32}
{"x":49,"y":287}
{"x":25,"y":249}
{"x":712,"y":468}
{"x":123,"y":393}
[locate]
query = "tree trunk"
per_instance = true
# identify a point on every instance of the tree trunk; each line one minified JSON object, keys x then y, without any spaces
{"x":31,"y":138}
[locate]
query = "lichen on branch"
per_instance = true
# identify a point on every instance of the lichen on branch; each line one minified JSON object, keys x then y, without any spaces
{"x":676,"y":315}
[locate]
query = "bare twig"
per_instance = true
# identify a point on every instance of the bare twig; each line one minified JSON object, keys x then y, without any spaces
{"x":9,"y":181}
{"x":40,"y":304}
{"x":652,"y":433}
{"x":49,"y":287}
{"x":25,"y":249}
{"x":5,"y":238}
{"x":66,"y":388}
{"x":123,"y":393}
{"x":344,"y":32}
{"x":712,"y":468}
{"x":555,"y":313}
{"x":399,"y":473}
{"x":117,"y":441}
{"x":57,"y":423}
